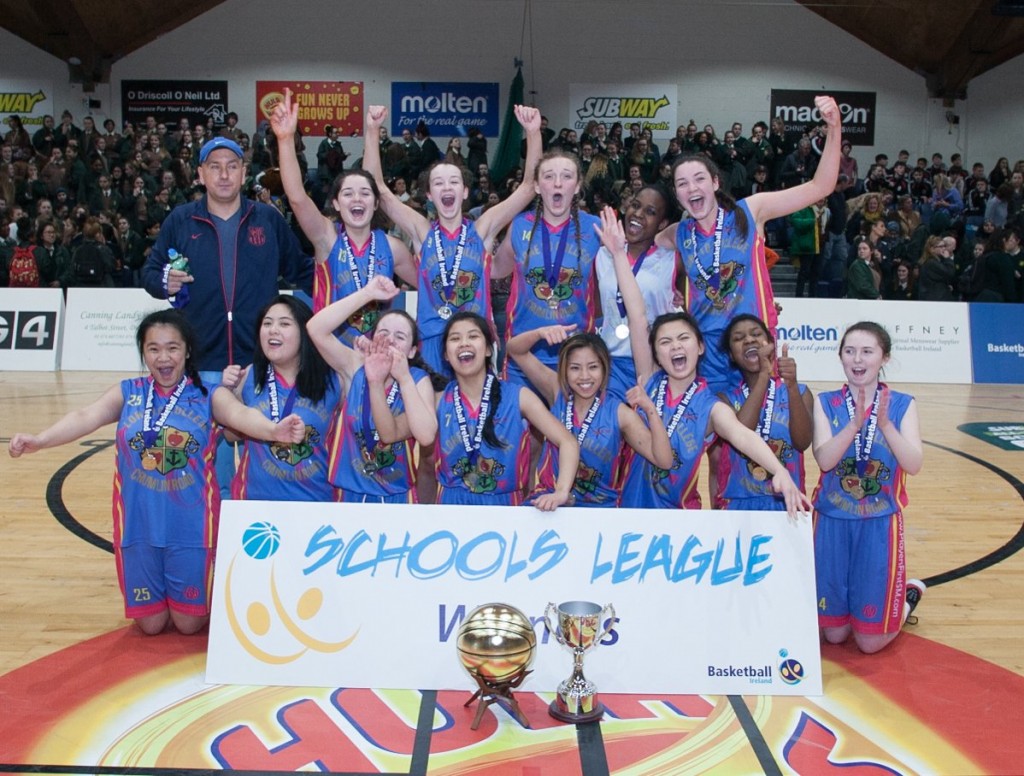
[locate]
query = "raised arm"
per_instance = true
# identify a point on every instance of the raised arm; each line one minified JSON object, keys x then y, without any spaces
{"x":652,"y":441}
{"x":519,"y":349}
{"x":75,"y":425}
{"x":407,"y":219}
{"x":492,"y":221}
{"x":321,"y":327}
{"x":284,"y":121}
{"x":614,"y":239}
{"x":774,"y":204}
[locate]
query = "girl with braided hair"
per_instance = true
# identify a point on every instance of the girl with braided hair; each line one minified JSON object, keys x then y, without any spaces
{"x":550,"y":252}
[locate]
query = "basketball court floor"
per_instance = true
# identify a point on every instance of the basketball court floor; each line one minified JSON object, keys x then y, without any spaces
{"x":82,"y":692}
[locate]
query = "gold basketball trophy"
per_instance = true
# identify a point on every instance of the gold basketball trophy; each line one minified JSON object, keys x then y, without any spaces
{"x":579,"y":629}
{"x":497,"y":644}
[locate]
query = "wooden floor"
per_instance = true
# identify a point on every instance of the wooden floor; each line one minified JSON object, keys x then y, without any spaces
{"x":57,"y":590}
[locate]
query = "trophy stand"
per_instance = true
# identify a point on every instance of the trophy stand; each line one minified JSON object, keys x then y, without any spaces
{"x":576,"y":700}
{"x":498,"y":692}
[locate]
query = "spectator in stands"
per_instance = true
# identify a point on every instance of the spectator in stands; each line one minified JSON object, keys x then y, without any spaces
{"x":453,"y":153}
{"x":45,"y":140}
{"x":1000,"y":173}
{"x":936,"y":271}
{"x":945,"y":198}
{"x":53,"y":259}
{"x":862,"y":279}
{"x":105,"y":198}
{"x":976,"y":201}
{"x":19,"y":140}
{"x":907,"y":218}
{"x":476,"y":143}
{"x":1000,"y":277}
{"x":330,"y":158}
{"x":902,"y":288}
{"x":799,"y":166}
{"x":809,"y":226}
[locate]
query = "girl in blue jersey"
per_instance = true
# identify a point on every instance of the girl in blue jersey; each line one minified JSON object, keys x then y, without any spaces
{"x":166,"y":499}
{"x":349,"y":252}
{"x":867,"y":438}
{"x":551,"y":255}
{"x":721,"y":243}
{"x":454,"y":253}
{"x":771,"y":402}
{"x":666,"y":362}
{"x":483,"y":450}
{"x":578,"y":396}
{"x":389,"y":400}
{"x":287,"y":375}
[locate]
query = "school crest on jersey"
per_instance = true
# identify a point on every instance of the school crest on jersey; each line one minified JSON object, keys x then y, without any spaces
{"x":868,"y":482}
{"x":729,"y":274}
{"x":466,"y":284}
{"x":588,"y":480}
{"x":294,"y":454}
{"x":366,"y":318}
{"x":569,"y":278}
{"x":482,"y":478}
{"x":169,"y":452}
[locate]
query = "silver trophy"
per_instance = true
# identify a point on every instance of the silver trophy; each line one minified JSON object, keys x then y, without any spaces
{"x":579,"y":629}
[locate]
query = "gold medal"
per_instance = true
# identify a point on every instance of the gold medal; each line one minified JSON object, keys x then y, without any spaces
{"x":148,"y":461}
{"x":759,"y":473}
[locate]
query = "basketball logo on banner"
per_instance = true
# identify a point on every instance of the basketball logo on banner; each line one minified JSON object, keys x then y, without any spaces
{"x":280,"y":632}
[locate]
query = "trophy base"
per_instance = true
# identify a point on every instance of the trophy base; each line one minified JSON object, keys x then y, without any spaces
{"x":593,"y":715}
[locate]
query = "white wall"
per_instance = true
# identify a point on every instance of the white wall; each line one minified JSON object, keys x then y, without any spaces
{"x":726,"y":58}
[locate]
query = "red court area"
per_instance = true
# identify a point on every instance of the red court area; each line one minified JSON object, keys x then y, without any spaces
{"x":124,"y":701}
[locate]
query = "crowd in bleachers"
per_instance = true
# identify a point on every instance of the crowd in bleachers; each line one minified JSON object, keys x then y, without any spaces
{"x":924,"y":229}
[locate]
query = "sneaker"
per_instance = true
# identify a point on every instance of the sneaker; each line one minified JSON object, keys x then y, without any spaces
{"x":915,"y":591}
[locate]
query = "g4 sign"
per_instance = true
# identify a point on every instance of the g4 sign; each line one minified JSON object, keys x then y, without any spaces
{"x":27,"y":330}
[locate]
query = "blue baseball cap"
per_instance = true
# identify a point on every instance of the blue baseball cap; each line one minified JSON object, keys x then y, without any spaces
{"x":220,"y":142}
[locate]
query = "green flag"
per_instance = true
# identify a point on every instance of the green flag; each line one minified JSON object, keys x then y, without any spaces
{"x":506,"y":156}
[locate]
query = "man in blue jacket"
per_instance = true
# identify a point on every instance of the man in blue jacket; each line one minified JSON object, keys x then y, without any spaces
{"x":236,"y":249}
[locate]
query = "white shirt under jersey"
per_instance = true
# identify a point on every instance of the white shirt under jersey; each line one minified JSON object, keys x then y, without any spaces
{"x":657,"y":281}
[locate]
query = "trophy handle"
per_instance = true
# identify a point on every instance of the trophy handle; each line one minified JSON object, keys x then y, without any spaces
{"x":607,"y":615}
{"x":548,"y":611}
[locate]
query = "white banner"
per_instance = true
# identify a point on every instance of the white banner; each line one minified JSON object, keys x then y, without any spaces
{"x":372,"y":595}
{"x":101,"y":324}
{"x":31,"y":320}
{"x":652,"y":106}
{"x":931,"y":341}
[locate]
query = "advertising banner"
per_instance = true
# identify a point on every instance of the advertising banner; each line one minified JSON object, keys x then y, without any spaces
{"x":446,"y":107}
{"x":796,"y":108}
{"x":374,"y":595}
{"x":338,"y":103}
{"x":31,"y":320}
{"x":101,"y":328}
{"x":171,"y":101}
{"x":931,"y":342}
{"x":29,"y":100}
{"x":997,"y":339}
{"x":653,"y":106}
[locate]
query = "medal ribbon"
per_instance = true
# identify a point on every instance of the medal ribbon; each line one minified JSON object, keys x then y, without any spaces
{"x":636,"y":269}
{"x":371,"y":265}
{"x":659,"y":403}
{"x":553,"y":272}
{"x":368,"y":429}
{"x":862,"y":445}
{"x":448,"y":281}
{"x":473,"y":447}
{"x":764,"y":423}
{"x":150,"y":432}
{"x":275,"y":407}
{"x":716,"y":263}
{"x":585,"y":426}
